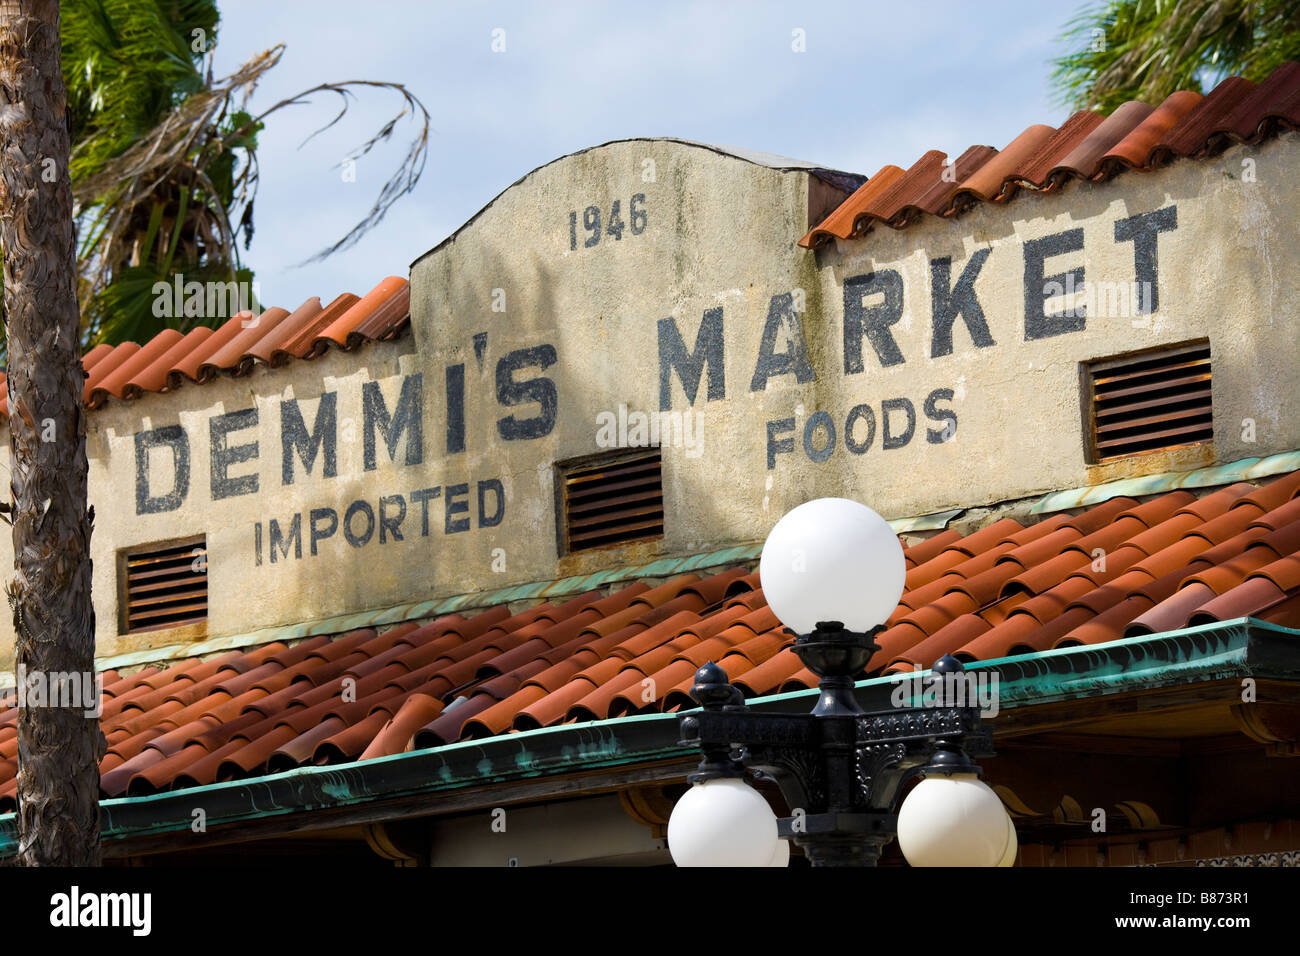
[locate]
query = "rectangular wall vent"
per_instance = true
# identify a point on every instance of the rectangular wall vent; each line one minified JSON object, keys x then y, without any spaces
{"x":612,"y":500}
{"x":164,"y":586}
{"x":1150,"y":401}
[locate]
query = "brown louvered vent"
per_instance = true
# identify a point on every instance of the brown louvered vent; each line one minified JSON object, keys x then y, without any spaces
{"x":612,"y":500}
{"x":164,"y":586}
{"x":1150,"y":401}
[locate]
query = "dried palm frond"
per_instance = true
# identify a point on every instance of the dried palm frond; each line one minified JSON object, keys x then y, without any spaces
{"x":172,"y":159}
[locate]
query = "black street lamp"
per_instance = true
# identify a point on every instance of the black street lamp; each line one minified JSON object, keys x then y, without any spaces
{"x":841,"y":770}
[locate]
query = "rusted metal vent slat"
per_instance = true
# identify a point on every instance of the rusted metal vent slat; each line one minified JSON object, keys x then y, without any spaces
{"x":613,"y":501}
{"x":165,"y":587}
{"x":1151,"y":401}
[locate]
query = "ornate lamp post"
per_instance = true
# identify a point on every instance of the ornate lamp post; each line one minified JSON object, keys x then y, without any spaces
{"x":833,"y":572}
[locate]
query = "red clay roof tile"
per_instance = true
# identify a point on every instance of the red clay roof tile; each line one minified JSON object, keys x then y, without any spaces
{"x":1245,"y":600}
{"x":1136,"y":148}
{"x":127,"y":371}
{"x":921,"y":552}
{"x":106,"y":366}
{"x":989,"y":182}
{"x":1171,"y":562}
{"x":386,"y":321}
{"x":1171,"y":613}
{"x":269,"y":348}
{"x":138,"y":362}
{"x":337,"y":332}
{"x":233,"y":356}
{"x":1087,"y":146}
{"x":303,"y":339}
{"x":1084,"y":160}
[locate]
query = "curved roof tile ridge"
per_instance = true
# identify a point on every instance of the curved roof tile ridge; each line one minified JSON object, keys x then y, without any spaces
{"x":273,"y":338}
{"x":269,"y":349}
{"x":252,"y":328}
{"x":1087,"y":146}
{"x":337,"y":332}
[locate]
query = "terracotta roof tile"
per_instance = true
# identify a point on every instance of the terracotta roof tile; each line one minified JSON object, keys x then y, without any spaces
{"x":114,"y":383}
{"x":990,"y":181}
{"x":306,"y":331}
{"x":269,"y":348}
{"x":1247,"y":599}
{"x":386,"y":321}
{"x":906,"y":191}
{"x":966,"y":568}
{"x":106,"y":366}
{"x":1136,"y":148}
{"x":91,"y":358}
{"x":156,"y":376}
{"x":801,"y":679}
{"x":844,"y":221}
{"x":1109,"y":625}
{"x":1274,"y":494}
{"x":1227,"y":575}
{"x":1284,"y":572}
{"x":951,"y":637}
{"x":1280,"y":517}
{"x":1229,"y":524}
{"x":339,"y":330}
{"x":1084,"y":160}
{"x":1170,"y":562}
{"x":1171,"y":614}
{"x":234,"y":355}
{"x":923,"y":551}
{"x":936,"y":197}
{"x":274,"y":337}
{"x":195,"y":365}
{"x":1087,"y":146}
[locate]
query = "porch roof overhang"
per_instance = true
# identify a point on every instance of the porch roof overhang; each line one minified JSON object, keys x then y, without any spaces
{"x":1042,"y":692}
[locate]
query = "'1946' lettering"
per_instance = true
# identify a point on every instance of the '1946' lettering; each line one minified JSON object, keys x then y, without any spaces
{"x":614,"y":225}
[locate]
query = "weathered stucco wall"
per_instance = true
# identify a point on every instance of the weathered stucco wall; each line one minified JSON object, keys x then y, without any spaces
{"x":524,"y":334}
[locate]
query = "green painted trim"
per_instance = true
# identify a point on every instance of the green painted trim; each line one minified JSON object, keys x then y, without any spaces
{"x":1231,"y":649}
{"x":1244,"y":470}
{"x":934,"y":522}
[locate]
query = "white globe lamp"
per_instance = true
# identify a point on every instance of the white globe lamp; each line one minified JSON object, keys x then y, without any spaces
{"x":832,"y":559}
{"x":954,"y":820}
{"x":722,"y":822}
{"x":1013,"y":845}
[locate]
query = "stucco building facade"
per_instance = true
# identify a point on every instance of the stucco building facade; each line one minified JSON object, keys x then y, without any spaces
{"x":954,"y":370}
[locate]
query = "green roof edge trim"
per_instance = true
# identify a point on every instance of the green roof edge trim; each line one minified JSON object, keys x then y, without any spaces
{"x":1245,"y":469}
{"x":1238,"y":648}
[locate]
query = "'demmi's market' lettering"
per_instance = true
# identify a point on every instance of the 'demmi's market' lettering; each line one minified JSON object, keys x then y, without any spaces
{"x":871,"y":325}
{"x":392,"y":419}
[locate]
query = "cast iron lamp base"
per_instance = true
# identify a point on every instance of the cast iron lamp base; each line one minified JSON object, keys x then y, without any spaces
{"x":840,"y":769}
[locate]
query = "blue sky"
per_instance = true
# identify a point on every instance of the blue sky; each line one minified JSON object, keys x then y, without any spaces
{"x":878,"y":83}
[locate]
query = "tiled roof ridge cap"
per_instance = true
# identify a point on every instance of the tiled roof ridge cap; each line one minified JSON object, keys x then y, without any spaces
{"x":1086,"y":146}
{"x":270,"y":339}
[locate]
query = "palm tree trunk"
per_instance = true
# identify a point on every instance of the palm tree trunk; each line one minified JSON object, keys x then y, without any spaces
{"x":59,"y":747}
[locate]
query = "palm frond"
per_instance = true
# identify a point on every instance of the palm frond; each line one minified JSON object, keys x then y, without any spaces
{"x":1146,"y":49}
